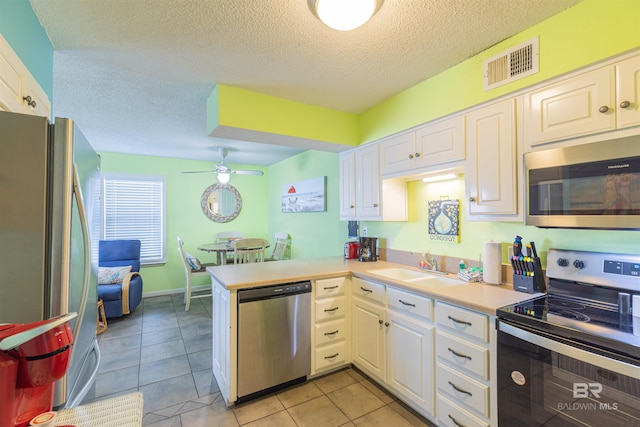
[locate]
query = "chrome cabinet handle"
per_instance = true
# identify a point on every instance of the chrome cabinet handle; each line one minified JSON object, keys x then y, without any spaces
{"x":386,"y":324}
{"x":326,"y":288}
{"x":453,"y":420}
{"x":326,"y":334}
{"x":380,"y":321}
{"x":365,"y":289}
{"x":458,"y":354}
{"x":332,"y":356}
{"x":625,"y":104}
{"x":411,"y":156}
{"x":472,"y":199}
{"x":30,"y":102}
{"x":603,"y":109}
{"x":329,"y":310}
{"x":462,"y":322}
{"x":375,"y":205}
{"x":406,"y":303}
{"x":351,"y":206}
{"x":417,"y":155}
{"x":458,"y":389}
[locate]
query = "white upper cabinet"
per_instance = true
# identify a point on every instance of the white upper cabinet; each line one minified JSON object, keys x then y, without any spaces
{"x":430,"y":145}
{"x":364,"y":195}
{"x":491,"y":175}
{"x":19,"y":91}
{"x":603,"y":99}
{"x":628,"y":92}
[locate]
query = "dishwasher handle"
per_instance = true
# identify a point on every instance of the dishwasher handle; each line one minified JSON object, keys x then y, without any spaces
{"x":274,"y":291}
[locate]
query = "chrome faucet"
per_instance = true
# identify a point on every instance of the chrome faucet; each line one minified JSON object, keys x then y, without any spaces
{"x":427,"y":262}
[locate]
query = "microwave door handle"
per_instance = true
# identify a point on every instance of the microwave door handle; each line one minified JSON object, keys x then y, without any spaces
{"x":573,"y":352}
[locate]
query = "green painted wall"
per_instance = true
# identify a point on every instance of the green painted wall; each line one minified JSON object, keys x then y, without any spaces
{"x":313,"y":234}
{"x":586,"y":33}
{"x":19,"y":25}
{"x":184,"y":216}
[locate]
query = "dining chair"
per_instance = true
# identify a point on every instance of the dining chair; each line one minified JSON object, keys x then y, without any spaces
{"x":227,"y":237}
{"x":279,"y":247}
{"x":248,"y":250}
{"x":192,"y":268}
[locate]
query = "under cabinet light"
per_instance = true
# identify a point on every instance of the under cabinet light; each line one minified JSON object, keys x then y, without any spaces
{"x":444,"y":177}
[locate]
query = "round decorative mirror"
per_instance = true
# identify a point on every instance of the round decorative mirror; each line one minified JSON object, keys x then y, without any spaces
{"x":221,"y":202}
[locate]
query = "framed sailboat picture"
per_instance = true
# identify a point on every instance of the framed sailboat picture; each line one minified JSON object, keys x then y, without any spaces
{"x":305,"y":196}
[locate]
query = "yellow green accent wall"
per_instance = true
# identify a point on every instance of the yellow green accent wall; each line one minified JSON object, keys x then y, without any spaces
{"x":582,"y":35}
{"x":234,"y":108}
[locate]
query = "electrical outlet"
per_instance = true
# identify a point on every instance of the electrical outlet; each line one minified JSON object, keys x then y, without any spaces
{"x":365,"y":231}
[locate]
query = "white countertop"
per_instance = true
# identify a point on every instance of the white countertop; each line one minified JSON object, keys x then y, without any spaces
{"x":480,"y":297}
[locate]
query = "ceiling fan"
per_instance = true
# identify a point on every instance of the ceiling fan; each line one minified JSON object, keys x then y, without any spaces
{"x":224,"y":172}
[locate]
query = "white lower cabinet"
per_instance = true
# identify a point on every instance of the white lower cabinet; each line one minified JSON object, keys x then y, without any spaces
{"x":330,"y":328}
{"x":464,"y":374}
{"x":393,"y":341}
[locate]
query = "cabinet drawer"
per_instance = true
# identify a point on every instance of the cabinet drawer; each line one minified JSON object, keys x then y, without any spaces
{"x":327,"y":332}
{"x":406,"y":302}
{"x":462,"y":389}
{"x":464,"y":321}
{"x":328,"y":287}
{"x":368,"y":291}
{"x":450,"y":415}
{"x":463,"y":354}
{"x":330,"y":308}
{"x":330,"y":356}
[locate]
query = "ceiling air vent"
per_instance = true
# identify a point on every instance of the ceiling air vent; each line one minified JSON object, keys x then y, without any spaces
{"x":511,"y":65}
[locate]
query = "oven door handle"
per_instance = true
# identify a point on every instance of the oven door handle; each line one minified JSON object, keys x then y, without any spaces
{"x":574,"y":352}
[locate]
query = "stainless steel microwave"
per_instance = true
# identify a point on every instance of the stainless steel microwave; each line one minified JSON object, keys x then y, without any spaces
{"x":595,"y":185}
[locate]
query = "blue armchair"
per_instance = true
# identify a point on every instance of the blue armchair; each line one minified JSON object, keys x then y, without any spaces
{"x":120,"y":298}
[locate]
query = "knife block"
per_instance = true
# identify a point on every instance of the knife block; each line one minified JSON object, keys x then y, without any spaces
{"x":531,"y":284}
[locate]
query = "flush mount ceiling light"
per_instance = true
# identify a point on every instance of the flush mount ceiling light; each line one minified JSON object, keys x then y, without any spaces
{"x":344,"y":15}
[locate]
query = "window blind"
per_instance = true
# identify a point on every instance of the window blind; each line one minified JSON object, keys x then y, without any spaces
{"x":134,"y":208}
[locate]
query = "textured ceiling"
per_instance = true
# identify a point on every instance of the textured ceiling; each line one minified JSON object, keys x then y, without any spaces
{"x":135,"y":74}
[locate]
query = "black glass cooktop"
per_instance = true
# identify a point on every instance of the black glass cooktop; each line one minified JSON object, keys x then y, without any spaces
{"x":575,"y":319}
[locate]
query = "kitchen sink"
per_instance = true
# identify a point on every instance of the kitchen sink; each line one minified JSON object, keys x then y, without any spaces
{"x":400,"y":273}
{"x":420,"y":278}
{"x":435,"y":282}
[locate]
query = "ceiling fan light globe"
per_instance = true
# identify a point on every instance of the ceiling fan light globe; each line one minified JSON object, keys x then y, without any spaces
{"x":223,"y":177}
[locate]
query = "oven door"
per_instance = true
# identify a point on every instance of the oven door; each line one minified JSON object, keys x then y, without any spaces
{"x":545,"y":380}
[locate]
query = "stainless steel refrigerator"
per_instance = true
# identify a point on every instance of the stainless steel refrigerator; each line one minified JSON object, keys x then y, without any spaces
{"x":49,"y":194}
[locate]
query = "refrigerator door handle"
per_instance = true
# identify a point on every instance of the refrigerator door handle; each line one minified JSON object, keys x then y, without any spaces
{"x":92,"y":378}
{"x":86,"y":250}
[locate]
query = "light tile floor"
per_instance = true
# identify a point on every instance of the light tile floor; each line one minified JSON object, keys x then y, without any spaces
{"x":165,"y":353}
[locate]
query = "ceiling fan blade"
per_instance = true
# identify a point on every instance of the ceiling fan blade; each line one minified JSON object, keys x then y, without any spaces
{"x":213,"y":171}
{"x":248,"y":172}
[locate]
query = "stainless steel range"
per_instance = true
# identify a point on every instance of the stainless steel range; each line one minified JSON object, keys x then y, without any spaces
{"x":572,"y":357}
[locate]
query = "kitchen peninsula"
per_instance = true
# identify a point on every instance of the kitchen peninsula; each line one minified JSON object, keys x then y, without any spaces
{"x":380,"y":316}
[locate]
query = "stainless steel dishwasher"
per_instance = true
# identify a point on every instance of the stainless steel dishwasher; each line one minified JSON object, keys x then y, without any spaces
{"x":274,"y":342}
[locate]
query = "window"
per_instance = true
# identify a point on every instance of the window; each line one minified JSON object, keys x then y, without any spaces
{"x":134,"y":208}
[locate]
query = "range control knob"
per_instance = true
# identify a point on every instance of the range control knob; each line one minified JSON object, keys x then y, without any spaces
{"x":578,"y":264}
{"x":562,"y":262}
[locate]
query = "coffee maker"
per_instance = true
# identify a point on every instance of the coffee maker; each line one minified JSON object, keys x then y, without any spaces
{"x":368,"y":249}
{"x":33,"y":357}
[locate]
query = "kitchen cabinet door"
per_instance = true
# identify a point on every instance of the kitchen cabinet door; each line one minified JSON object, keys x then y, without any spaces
{"x":410,"y":360}
{"x":398,"y":153}
{"x":580,"y":105}
{"x":19,"y":91}
{"x":440,"y":142}
{"x":491,"y":172}
{"x":368,"y":182}
{"x":224,"y":344}
{"x":628,"y":92}
{"x":368,"y":338}
{"x":348,"y":186}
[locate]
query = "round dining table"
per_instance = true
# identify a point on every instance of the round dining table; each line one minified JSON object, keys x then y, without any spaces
{"x":220,"y":249}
